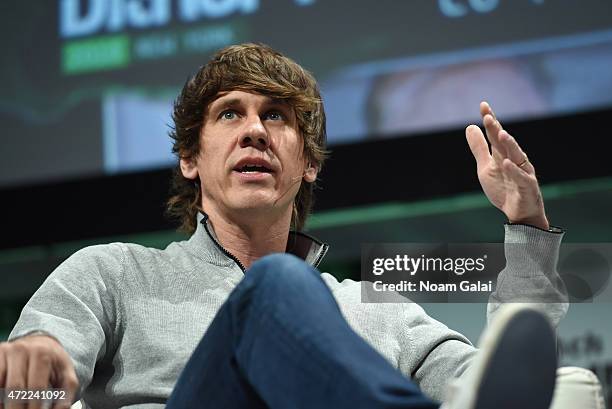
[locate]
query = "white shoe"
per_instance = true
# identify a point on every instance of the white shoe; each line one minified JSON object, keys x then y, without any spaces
{"x":515,"y":367}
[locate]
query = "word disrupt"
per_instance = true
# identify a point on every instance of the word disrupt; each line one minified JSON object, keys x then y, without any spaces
{"x":414,"y":264}
{"x":426,"y":286}
{"x":81,"y":18}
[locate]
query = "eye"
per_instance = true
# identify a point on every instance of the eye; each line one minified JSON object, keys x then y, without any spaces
{"x":274,"y":116}
{"x":228,"y":114}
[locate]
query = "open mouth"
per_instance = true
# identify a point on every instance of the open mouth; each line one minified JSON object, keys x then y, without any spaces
{"x":253,"y":169}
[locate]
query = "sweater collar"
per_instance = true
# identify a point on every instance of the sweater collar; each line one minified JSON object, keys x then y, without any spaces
{"x":205,"y":243}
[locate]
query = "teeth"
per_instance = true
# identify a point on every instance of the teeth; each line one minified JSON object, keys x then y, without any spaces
{"x":252,"y":168}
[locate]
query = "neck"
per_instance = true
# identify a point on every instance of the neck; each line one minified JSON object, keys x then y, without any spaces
{"x":250,"y":238}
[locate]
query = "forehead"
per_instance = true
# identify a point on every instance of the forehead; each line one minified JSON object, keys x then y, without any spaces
{"x":235,"y":97}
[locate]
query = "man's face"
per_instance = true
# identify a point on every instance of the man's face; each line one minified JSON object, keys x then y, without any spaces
{"x":251,"y":155}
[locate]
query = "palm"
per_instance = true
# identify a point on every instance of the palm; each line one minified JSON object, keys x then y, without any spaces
{"x":512,"y":189}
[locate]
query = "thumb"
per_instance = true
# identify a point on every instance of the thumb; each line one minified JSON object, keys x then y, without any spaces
{"x":478,"y":145}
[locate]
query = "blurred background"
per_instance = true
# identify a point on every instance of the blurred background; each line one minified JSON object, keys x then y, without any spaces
{"x":87,"y":88}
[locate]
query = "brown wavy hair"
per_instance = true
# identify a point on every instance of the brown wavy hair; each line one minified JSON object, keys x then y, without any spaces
{"x":254,"y":68}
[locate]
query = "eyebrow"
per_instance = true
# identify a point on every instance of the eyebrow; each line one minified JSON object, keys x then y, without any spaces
{"x":232,"y":102}
{"x":225,"y":103}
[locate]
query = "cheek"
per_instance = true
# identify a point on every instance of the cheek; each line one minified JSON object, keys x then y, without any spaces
{"x":213,"y":152}
{"x":294,"y":143}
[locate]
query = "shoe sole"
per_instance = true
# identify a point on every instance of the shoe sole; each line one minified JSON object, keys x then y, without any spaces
{"x":520,"y":369}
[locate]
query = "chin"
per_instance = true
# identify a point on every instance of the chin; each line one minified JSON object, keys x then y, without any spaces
{"x":253,"y":201}
{"x":258,"y":202}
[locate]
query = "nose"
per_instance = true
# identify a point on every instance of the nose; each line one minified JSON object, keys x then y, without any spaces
{"x":255,"y":134}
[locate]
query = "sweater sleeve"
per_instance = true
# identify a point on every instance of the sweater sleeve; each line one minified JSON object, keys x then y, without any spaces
{"x":531,"y":273}
{"x":428,"y":351}
{"x":76,"y":306}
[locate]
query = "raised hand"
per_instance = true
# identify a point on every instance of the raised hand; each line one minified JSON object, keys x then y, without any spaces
{"x":505,"y":173}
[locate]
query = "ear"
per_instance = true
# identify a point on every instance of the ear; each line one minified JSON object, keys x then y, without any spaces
{"x":310,"y":173}
{"x":188,"y":168}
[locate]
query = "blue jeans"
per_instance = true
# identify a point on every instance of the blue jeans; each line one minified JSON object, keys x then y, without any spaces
{"x":280,"y":341}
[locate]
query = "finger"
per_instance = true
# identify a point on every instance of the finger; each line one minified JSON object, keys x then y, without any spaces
{"x":492,"y":128}
{"x":39,"y":373}
{"x":521,"y":178}
{"x":478,"y":145}
{"x":69,"y":383}
{"x":16,"y":372}
{"x":515,"y":153}
{"x":485,"y":108}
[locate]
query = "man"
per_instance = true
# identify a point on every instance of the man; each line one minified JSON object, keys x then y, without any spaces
{"x":119,"y":322}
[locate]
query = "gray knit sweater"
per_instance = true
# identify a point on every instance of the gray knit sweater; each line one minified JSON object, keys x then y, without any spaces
{"x":130,"y":316}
